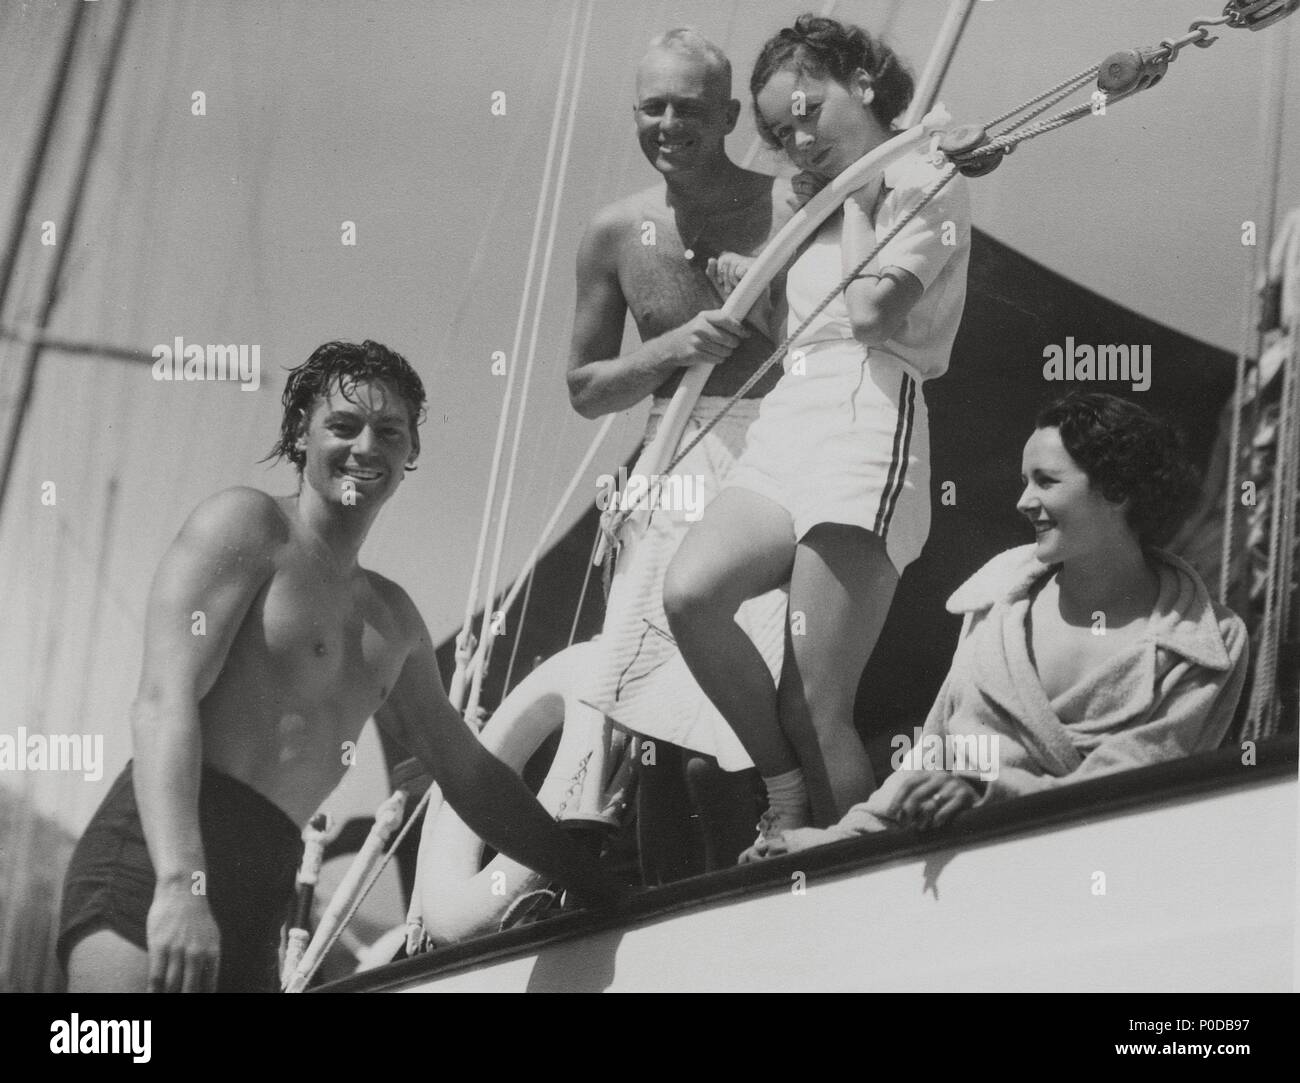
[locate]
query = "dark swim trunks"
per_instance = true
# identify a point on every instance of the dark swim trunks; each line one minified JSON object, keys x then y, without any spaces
{"x":252,"y":850}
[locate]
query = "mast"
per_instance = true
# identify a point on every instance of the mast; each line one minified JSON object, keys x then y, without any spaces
{"x":67,"y":220}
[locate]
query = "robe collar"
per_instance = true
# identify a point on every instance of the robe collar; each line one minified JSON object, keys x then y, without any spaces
{"x":1183,"y":621}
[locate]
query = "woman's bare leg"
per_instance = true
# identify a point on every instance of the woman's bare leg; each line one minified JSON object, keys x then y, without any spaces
{"x":840,"y":590}
{"x":743,"y":547}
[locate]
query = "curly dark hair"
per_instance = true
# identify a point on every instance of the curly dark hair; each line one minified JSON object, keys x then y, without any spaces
{"x":1129,"y":454}
{"x":344,"y":364}
{"x":825,"y":47}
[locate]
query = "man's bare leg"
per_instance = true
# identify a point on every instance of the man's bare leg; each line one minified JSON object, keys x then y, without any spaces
{"x":105,"y":962}
{"x":729,"y":802}
{"x":843,"y":583}
{"x":743,"y":547}
{"x":667,"y":838}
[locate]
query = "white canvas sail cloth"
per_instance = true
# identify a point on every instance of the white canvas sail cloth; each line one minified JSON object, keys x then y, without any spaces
{"x":642,"y":682}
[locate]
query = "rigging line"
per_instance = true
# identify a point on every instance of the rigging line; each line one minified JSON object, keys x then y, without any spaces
{"x":519,"y":631}
{"x":615,"y":166}
{"x":457,"y":690}
{"x":503,"y":517}
{"x":586,"y":582}
{"x":533,"y":557}
{"x":780,"y":352}
{"x":556,"y":513}
{"x":127,"y":609}
{"x":27,"y":336}
{"x":1271,"y":116}
{"x":103,"y":561}
{"x":71,"y":213}
{"x":36,"y":160}
{"x":529,"y":564}
{"x":926,"y":93}
{"x":1263,"y":697}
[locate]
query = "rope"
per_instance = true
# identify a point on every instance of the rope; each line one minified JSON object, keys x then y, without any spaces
{"x":1289,"y":492}
{"x":586,"y":582}
{"x":463,"y":648}
{"x":1055,"y":98}
{"x":1066,"y":86}
{"x":784,"y":347}
{"x":519,"y":629}
{"x":1262,"y":701}
{"x":487,"y":632}
{"x":1230,"y":496}
{"x":68,"y":221}
{"x":1002,"y":143}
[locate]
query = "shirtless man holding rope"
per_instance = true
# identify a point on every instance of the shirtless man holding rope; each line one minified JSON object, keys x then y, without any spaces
{"x":267,"y":647}
{"x":654,"y":253}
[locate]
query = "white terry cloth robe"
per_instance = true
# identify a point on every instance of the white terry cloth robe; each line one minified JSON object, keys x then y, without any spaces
{"x":1170,"y":695}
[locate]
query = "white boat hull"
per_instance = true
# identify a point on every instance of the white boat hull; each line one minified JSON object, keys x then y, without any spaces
{"x":1195,"y":893}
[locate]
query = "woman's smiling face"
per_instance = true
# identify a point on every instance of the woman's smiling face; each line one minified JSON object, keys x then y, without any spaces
{"x":1070,"y":516}
{"x":822,"y":124}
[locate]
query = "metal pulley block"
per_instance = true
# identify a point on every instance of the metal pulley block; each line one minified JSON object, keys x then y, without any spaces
{"x":1257,"y":14}
{"x":957,"y":143}
{"x":1133,"y":69}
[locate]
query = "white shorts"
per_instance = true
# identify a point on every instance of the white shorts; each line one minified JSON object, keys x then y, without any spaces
{"x":845,"y":438}
{"x":641,"y":681}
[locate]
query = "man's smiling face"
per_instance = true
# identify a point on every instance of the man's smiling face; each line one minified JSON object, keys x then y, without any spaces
{"x":683,"y":113}
{"x":358,"y":440}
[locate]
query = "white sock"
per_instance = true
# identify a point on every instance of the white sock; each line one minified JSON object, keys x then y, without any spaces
{"x":787,"y":796}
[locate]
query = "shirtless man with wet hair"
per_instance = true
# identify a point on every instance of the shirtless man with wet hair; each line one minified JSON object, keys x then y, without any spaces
{"x":653,"y":254}
{"x":267,"y":646}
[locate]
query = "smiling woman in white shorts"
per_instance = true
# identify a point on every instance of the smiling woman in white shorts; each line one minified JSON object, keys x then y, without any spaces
{"x":832,"y":490}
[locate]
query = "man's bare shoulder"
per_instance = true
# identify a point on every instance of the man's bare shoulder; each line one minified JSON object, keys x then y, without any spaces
{"x":395,"y":599}
{"x":239,"y":520}
{"x":628,"y":212}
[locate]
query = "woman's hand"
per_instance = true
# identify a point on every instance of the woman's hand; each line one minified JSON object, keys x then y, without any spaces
{"x":926,"y":799}
{"x":791,"y":841}
{"x":807,"y":185}
{"x":726,"y":270}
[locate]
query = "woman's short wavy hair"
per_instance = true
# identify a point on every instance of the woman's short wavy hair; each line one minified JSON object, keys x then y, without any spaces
{"x":344,"y":364}
{"x":824,"y":47}
{"x":1129,"y":454}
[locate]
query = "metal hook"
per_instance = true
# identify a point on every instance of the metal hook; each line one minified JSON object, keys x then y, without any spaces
{"x":1205,"y":40}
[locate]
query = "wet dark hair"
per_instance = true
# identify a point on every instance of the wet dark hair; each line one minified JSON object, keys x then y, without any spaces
{"x":1128,"y":454}
{"x":825,"y":47}
{"x":343,"y":364}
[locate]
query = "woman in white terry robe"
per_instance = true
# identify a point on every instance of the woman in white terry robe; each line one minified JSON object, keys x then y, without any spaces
{"x":1088,"y":652}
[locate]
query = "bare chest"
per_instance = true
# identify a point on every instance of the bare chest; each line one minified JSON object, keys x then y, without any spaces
{"x":1066,"y":654}
{"x":662,"y":288}
{"x":327,"y":642}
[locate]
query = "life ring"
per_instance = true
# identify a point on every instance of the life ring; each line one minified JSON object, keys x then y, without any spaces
{"x":460,"y":900}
